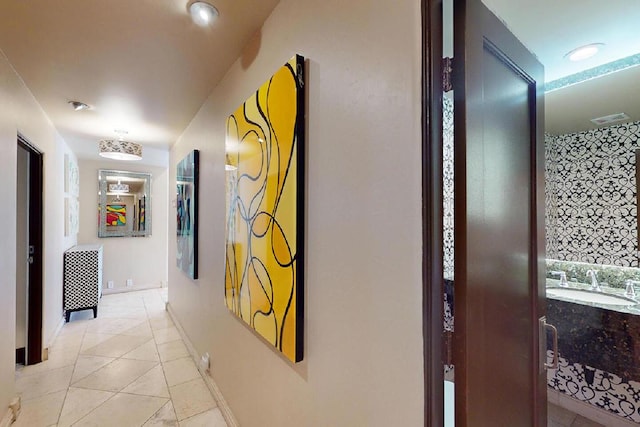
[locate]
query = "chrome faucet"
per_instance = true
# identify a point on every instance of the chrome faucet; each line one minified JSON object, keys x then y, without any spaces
{"x":630,"y":292}
{"x":563,"y":278}
{"x":595,"y":286}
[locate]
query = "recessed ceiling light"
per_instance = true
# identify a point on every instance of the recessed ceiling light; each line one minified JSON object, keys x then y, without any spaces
{"x":584,"y":52}
{"x":77,"y":105}
{"x":203,"y":13}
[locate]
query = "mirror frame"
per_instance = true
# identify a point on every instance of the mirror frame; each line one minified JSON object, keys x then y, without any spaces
{"x":102,"y":203}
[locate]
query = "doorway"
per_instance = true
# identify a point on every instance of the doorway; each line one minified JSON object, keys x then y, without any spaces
{"x":29,"y":253}
{"x":494,"y":353}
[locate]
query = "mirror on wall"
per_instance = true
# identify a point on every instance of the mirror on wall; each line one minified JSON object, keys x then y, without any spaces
{"x":592,"y":133}
{"x":124,"y":204}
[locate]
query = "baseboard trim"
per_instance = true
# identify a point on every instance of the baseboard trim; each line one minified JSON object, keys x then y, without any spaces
{"x":107,"y":291}
{"x":587,"y":410}
{"x":11,"y":415}
{"x":8,"y":418}
{"x":211,"y":384}
{"x":52,"y":339}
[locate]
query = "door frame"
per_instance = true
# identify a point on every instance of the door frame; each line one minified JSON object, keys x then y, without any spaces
{"x":434,"y":348}
{"x":36,"y":231}
{"x":432,"y":213}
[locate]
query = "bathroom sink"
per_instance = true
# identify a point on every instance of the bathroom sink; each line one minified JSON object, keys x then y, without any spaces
{"x":584,"y":295}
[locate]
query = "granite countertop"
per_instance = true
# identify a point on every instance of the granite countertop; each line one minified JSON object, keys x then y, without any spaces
{"x":628,"y":309}
{"x":597,"y":337}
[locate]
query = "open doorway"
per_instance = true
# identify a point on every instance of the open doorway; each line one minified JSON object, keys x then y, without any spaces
{"x":494,"y":354}
{"x":29,"y":253}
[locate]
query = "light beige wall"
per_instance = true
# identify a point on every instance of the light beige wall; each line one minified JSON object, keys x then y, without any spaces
{"x":143,"y":259}
{"x":55,"y":241}
{"x":21,"y":113}
{"x":363,"y":328}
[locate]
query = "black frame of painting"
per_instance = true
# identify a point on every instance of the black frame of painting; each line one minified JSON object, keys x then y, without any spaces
{"x":180,"y":238}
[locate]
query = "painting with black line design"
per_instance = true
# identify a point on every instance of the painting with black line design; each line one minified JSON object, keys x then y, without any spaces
{"x":264,"y":210}
{"x":187,"y":214}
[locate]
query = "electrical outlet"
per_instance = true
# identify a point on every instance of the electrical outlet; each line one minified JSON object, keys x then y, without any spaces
{"x":110,"y":284}
{"x":205,"y":362}
{"x":129,"y":282}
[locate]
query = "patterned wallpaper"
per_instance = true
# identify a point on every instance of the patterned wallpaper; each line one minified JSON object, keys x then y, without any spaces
{"x":591,"y":195}
{"x":590,"y":217}
{"x":447,"y":192}
{"x":599,"y":388}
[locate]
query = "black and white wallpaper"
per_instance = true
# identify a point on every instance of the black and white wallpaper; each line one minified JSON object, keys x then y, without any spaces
{"x":447,"y":192}
{"x":591,"y":195}
{"x":591,"y":216}
{"x":599,"y":388}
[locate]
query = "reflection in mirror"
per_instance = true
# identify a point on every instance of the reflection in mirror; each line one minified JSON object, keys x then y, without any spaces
{"x":592,"y":134}
{"x":124,"y":204}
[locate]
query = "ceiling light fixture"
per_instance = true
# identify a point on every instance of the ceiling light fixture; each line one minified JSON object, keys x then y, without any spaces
{"x":118,"y":149}
{"x":203,"y":13}
{"x":584,"y":52}
{"x":77,"y":105}
{"x":119,"y":188}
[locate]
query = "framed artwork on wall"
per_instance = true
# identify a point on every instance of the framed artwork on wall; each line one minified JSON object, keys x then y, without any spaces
{"x":71,"y":216}
{"x":265,"y":210}
{"x":116,"y":215}
{"x":187,"y":214}
{"x":141,"y":213}
{"x":71,"y":176}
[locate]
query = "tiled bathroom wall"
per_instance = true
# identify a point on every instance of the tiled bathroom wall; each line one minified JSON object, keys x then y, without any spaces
{"x":591,"y":195}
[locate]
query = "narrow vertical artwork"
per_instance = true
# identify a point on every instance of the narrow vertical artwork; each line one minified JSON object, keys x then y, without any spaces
{"x":141,"y":210}
{"x":187,"y":214}
{"x":265,"y":217}
{"x":74,"y":216}
{"x":71,"y":176}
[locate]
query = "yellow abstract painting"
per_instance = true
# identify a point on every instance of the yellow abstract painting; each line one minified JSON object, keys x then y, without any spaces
{"x":264,"y":201}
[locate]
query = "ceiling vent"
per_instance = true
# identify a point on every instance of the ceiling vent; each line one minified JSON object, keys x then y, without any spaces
{"x":612,"y":118}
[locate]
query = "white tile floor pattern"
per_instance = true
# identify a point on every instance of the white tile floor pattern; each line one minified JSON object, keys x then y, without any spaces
{"x":127,"y":368}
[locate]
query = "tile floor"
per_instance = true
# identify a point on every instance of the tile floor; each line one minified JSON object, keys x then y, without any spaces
{"x":128,"y":367}
{"x":560,"y":417}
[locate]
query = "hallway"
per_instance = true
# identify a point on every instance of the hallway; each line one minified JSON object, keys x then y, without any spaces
{"x":128,"y":367}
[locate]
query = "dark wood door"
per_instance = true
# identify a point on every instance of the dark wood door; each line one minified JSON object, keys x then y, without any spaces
{"x":499,"y":224}
{"x":35,"y":253}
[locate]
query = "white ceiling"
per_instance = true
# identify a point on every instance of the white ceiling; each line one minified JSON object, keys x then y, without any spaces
{"x":142,"y":65}
{"x":552,"y":28}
